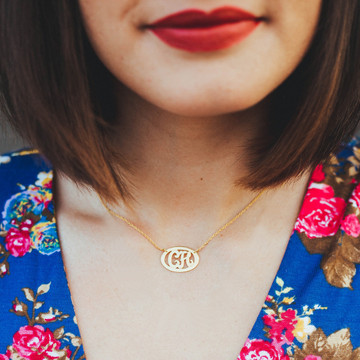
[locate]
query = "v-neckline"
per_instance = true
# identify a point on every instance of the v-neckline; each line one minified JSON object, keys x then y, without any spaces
{"x":285,"y":261}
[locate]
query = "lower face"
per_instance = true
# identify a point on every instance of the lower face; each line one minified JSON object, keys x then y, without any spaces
{"x":222,"y":57}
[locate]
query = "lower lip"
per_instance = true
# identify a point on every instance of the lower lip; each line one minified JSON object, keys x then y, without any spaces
{"x":208,"y":38}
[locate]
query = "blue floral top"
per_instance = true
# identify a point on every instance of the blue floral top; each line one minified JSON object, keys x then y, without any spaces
{"x":310,"y":313}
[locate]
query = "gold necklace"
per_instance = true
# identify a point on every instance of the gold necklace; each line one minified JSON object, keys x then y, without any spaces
{"x":181,"y":258}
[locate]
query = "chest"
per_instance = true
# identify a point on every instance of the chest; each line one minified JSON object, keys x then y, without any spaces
{"x":127,"y":305}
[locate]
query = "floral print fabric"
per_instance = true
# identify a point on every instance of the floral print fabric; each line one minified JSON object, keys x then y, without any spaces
{"x":36,"y":313}
{"x":312,"y":309}
{"x":310,"y":313}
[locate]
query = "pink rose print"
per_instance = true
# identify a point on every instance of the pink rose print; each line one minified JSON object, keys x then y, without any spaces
{"x":286,"y":322}
{"x":3,"y":357}
{"x":257,"y":349}
{"x":36,"y":343}
{"x":321,"y":212}
{"x":355,"y":197}
{"x":351,"y":225}
{"x":313,"y":357}
{"x":318,"y":174}
{"x":17,"y":242}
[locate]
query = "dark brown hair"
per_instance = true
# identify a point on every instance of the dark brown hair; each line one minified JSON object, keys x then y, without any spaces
{"x":58,"y":95}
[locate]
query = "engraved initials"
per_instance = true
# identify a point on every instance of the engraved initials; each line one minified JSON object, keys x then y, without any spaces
{"x":180,"y":259}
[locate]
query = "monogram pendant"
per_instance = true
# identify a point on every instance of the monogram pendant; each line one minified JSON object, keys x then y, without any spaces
{"x":180,"y":259}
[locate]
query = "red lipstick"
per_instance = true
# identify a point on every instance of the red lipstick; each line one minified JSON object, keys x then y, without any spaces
{"x":195,"y":30}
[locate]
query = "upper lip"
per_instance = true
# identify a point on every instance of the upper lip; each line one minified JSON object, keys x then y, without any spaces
{"x":199,"y":18}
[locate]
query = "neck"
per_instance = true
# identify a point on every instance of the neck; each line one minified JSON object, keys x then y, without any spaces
{"x":186,"y":164}
{"x":183,"y":172}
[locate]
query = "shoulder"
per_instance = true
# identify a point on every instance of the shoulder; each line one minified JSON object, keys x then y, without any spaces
{"x":21,"y":164}
{"x":24,"y":176}
{"x":30,"y":261}
{"x":21,"y":168}
{"x":329,"y":219}
{"x":26,"y":205}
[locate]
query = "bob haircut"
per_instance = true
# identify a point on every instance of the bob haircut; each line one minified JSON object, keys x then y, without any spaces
{"x":59,"y":96}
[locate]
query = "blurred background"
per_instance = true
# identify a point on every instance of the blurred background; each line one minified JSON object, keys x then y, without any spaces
{"x":8,"y":139}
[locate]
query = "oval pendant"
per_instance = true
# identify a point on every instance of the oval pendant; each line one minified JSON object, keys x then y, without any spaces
{"x":180,"y":259}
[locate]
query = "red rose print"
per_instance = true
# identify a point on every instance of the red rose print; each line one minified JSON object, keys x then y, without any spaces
{"x":355,"y":197}
{"x":351,"y":225}
{"x":286,"y":323}
{"x":318,"y":174}
{"x":26,"y":225}
{"x":3,"y":357}
{"x":36,"y":343}
{"x":321,"y":212}
{"x":257,"y":349}
{"x":320,"y":191}
{"x":17,"y":242}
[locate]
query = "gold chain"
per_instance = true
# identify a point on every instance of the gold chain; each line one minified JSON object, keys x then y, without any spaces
{"x":147,"y":237}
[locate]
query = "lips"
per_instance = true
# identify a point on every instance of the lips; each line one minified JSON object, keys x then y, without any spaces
{"x":194,"y":30}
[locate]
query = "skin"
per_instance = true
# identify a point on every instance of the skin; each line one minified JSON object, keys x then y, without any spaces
{"x":196,"y":128}
{"x":184,"y":119}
